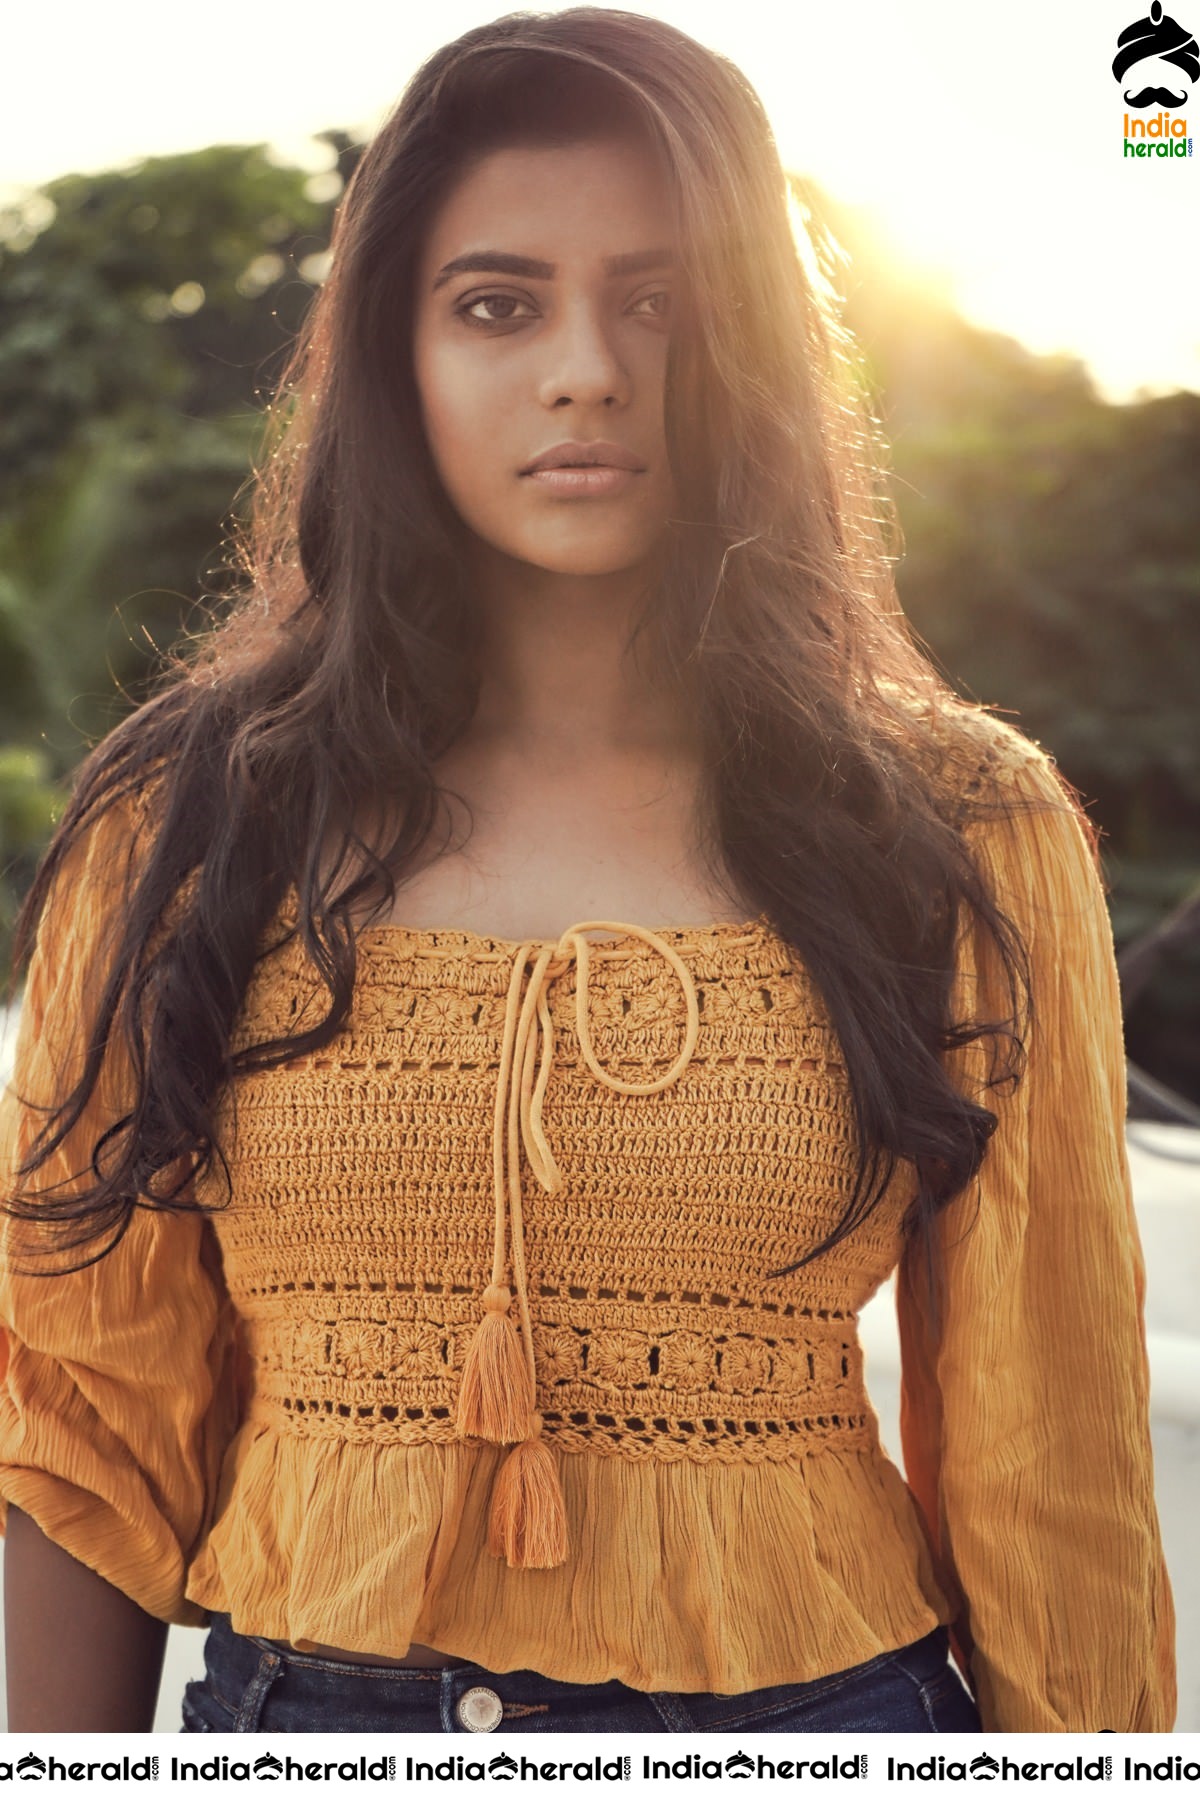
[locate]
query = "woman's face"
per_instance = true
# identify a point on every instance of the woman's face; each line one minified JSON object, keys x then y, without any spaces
{"x":542,"y":320}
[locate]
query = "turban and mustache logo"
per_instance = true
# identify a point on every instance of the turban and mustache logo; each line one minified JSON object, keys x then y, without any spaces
{"x":1165,"y":39}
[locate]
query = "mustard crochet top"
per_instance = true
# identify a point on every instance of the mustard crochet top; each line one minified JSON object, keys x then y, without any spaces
{"x":484,"y":1354}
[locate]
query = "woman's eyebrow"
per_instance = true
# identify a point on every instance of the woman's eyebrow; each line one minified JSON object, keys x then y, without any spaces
{"x":637,"y":262}
{"x":494,"y":262}
{"x":503,"y":262}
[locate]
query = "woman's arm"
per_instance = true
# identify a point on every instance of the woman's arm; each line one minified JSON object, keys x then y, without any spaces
{"x":1024,"y":1412}
{"x":81,"y":1656}
{"x":118,"y":1380}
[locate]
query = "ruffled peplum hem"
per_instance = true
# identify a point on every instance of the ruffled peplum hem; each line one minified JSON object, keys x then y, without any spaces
{"x":687,"y":1577}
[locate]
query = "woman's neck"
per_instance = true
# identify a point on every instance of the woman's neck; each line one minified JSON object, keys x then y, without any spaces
{"x":556,"y":671}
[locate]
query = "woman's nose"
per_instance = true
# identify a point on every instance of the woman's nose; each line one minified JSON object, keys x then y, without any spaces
{"x":583,"y":363}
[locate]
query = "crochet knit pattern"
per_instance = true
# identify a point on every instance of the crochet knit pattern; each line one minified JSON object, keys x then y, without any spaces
{"x":656,"y":1334}
{"x":564,"y":1170}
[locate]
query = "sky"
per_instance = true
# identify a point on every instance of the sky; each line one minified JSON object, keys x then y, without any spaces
{"x":986,"y":143}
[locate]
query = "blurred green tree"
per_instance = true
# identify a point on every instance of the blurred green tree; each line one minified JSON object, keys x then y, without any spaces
{"x":144,"y":315}
{"x":1052,"y":548}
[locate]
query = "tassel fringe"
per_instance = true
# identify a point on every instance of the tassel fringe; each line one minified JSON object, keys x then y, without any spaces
{"x":528,"y":1521}
{"x":493,"y":1393}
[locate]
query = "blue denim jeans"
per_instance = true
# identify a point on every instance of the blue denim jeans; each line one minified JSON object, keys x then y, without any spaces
{"x":254,"y":1684}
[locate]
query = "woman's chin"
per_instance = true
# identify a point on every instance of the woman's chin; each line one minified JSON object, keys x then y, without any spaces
{"x":580,"y":560}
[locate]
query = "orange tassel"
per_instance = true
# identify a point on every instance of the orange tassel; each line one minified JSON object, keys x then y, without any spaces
{"x":528,"y":1523}
{"x":493,"y":1392}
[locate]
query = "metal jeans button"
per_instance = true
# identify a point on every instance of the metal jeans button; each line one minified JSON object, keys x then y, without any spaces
{"x":480,"y":1709}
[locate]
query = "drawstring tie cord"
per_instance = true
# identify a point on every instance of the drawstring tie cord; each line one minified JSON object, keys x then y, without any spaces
{"x":497,"y":1397}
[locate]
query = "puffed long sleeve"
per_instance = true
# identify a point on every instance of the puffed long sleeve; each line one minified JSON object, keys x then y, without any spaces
{"x":117,"y":1382}
{"x":1024,"y":1417}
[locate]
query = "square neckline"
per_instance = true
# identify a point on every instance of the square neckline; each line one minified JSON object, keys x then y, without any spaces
{"x":434,"y":935}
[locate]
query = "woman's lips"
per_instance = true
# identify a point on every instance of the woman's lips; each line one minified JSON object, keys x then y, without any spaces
{"x":582,"y":483}
{"x":584,"y":469}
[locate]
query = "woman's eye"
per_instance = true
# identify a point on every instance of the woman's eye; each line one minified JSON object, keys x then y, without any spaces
{"x":654,"y":306}
{"x":494,"y":309}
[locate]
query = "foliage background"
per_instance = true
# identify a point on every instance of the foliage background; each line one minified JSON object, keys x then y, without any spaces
{"x":1052,"y":541}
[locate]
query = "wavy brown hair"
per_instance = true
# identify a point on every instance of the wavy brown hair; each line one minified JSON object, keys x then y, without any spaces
{"x":839,"y":765}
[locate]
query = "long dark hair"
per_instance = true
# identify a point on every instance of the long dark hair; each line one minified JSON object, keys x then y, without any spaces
{"x":841,"y":772}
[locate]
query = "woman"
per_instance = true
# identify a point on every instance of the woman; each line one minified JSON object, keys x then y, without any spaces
{"x":424,"y":1263}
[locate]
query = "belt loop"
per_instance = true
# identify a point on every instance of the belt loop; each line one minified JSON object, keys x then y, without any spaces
{"x":446,"y":1697}
{"x":254,"y":1699}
